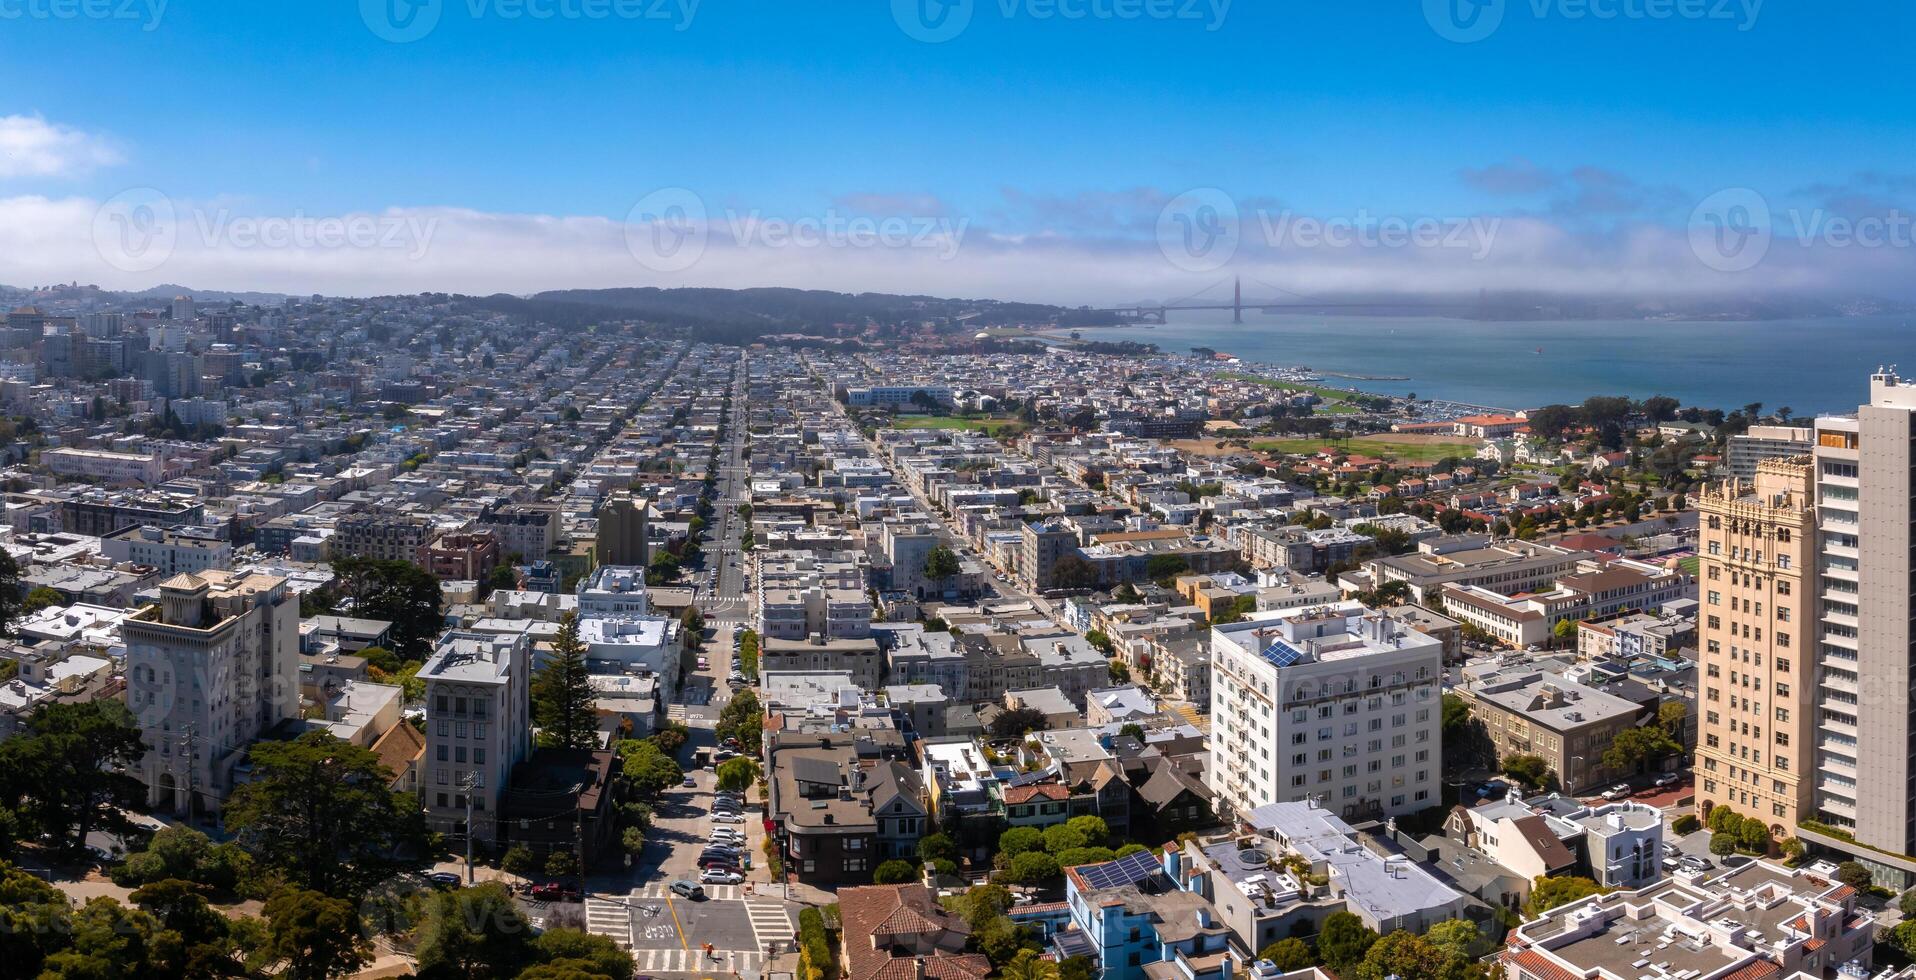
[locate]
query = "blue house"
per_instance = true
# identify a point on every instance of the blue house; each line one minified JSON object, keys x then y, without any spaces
{"x":1137,"y":918}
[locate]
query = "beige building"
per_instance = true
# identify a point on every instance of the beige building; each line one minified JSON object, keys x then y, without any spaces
{"x":1755,"y":732}
{"x":1526,"y":711}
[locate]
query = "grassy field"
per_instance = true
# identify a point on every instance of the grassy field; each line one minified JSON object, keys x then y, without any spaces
{"x":1386,"y":445}
{"x":995,"y":426}
{"x":1328,"y":394}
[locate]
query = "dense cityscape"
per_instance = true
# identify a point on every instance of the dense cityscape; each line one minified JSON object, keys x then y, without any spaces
{"x":957,"y":490}
{"x":364,"y":637}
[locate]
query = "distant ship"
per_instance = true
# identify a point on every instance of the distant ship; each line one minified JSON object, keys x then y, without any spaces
{"x":1537,"y":351}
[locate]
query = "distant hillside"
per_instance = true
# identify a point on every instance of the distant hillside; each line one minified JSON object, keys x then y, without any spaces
{"x":743,"y":314}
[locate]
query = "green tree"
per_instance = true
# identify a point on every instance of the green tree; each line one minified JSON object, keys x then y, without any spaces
{"x":475,"y":932}
{"x":319,"y":810}
{"x":1093,"y":827}
{"x":194,"y":937}
{"x":67,"y":773}
{"x":563,"y":703}
{"x":737,"y":775}
{"x":941,"y":563}
{"x":9,"y":592}
{"x":32,"y":918}
{"x":1017,"y":840}
{"x":399,"y":592}
{"x":692,"y":627}
{"x":647,"y":770}
{"x":597,"y":954}
{"x":1289,"y":954}
{"x":1854,"y":874}
{"x":1633,"y":748}
{"x":742,"y":718}
{"x":1408,"y":956}
{"x":1034,"y":868}
{"x":315,"y":935}
{"x":937,"y":847}
{"x":40,"y":598}
{"x":1027,"y":965}
{"x":1722,"y":845}
{"x":1342,"y":942}
{"x":1552,"y":892}
{"x":895,"y":872}
{"x":1160,"y":567}
{"x":1072,"y":857}
{"x":1454,"y":936}
{"x":563,"y":864}
{"x":518,"y":860}
{"x":1063,"y":837}
{"x":1017,"y":721}
{"x":1530,"y":770}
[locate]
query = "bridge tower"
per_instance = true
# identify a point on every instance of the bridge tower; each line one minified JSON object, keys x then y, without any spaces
{"x":1237,"y":301}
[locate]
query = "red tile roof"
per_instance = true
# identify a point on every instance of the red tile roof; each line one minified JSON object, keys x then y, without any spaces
{"x":1025,"y":794}
{"x":1756,"y":971}
{"x":1541,"y":967}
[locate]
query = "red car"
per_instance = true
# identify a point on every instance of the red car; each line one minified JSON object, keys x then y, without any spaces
{"x":553,"y":891}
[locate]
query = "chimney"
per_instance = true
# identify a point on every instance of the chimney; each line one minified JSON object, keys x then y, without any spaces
{"x":917,"y":968}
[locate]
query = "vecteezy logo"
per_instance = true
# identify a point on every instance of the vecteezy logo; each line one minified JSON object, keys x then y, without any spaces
{"x":400,"y":21}
{"x":1198,"y":231}
{"x":1730,"y":230}
{"x":666,"y":231}
{"x":932,"y":21}
{"x":136,"y":230}
{"x":1464,"y":21}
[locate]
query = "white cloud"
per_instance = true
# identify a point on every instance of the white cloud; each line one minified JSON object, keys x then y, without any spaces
{"x":404,"y":250}
{"x":32,"y":147}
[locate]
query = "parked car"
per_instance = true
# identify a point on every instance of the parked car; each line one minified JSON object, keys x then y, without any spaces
{"x":443,"y":879}
{"x":688,"y":890}
{"x":728,"y":850}
{"x":714,"y":876}
{"x":728,"y":818}
{"x":719,"y":864}
{"x":1618,"y":792}
{"x":1669,"y":779}
{"x":552,"y":891}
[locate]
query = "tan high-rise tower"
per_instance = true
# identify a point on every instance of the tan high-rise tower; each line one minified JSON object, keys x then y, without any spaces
{"x":1757,"y":627}
{"x":622,"y":531}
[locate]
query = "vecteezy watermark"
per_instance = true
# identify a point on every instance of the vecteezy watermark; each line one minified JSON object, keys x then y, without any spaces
{"x":138,"y":230}
{"x":1202,"y":230}
{"x":147,"y":13}
{"x":1469,"y":21}
{"x":937,"y":21}
{"x":1733,"y":230}
{"x":669,"y":230}
{"x":403,"y":21}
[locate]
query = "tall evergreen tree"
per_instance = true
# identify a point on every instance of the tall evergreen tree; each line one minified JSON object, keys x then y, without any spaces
{"x":563,"y":705}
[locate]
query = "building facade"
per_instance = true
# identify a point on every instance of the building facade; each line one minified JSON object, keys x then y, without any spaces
{"x":1756,"y":732}
{"x":210,"y":669}
{"x":478,"y":726}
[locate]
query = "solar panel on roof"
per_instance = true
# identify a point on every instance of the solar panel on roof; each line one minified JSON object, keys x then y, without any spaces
{"x":1282,"y":654}
{"x":1123,"y":871}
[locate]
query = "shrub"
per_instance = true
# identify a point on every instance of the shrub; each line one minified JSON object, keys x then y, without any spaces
{"x":1686,"y":824}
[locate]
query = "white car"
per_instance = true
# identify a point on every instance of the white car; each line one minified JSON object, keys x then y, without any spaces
{"x":1618,"y":792}
{"x":714,"y":876}
{"x":727,"y":818}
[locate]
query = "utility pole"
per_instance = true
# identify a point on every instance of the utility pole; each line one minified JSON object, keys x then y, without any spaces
{"x":466,"y":783}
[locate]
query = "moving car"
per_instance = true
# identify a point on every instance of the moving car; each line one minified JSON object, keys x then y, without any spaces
{"x":714,"y":876}
{"x":688,"y":889}
{"x":552,"y":891}
{"x":690,"y":782}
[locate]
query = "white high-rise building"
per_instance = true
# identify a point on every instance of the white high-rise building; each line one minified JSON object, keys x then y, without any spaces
{"x":1337,"y":703}
{"x":478,"y":726}
{"x":211,"y":669}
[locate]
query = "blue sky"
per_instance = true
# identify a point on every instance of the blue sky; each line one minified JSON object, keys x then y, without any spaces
{"x":1057,"y":140}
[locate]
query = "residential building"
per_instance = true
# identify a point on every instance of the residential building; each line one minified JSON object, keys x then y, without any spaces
{"x":1761,"y":442}
{"x":901,"y":932}
{"x":622,"y":531}
{"x":1526,"y":711}
{"x":478,"y":726}
{"x":211,"y":668}
{"x":466,"y":555}
{"x":1756,"y":731}
{"x":1131,"y":916}
{"x":382,"y":537}
{"x":172,"y":550}
{"x":1337,"y":703}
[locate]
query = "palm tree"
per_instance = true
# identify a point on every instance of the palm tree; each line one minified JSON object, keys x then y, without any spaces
{"x":1029,"y":967}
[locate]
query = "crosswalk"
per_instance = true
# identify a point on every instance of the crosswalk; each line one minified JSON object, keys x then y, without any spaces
{"x":742,"y":962}
{"x":770,"y":922}
{"x":716,"y":893}
{"x":612,"y":920}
